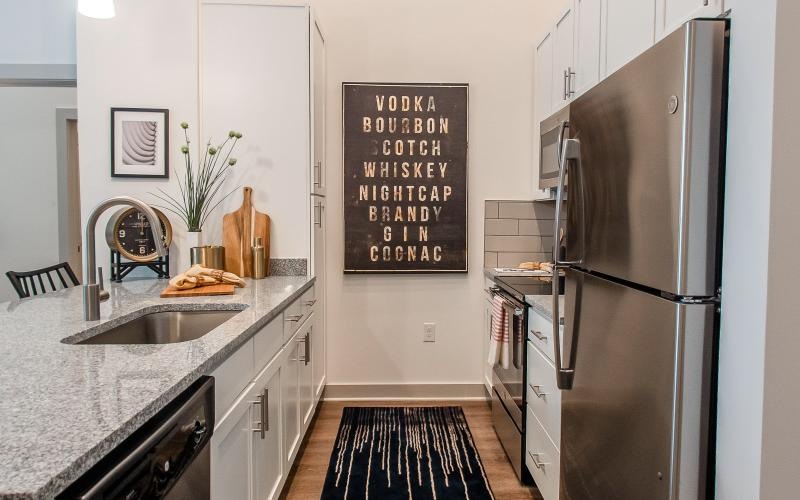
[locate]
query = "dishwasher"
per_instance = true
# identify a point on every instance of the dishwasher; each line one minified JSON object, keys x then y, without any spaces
{"x":168,"y":457}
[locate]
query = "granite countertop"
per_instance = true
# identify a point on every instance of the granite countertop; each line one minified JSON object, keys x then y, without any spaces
{"x":64,"y":406}
{"x":543,"y":304}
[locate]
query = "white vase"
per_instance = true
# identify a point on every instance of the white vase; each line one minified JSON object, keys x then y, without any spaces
{"x":194,"y":238}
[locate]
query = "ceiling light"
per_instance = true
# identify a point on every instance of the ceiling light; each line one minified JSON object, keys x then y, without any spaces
{"x":98,"y":9}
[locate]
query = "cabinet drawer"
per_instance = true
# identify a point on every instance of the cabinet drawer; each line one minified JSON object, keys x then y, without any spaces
{"x":232,"y":377}
{"x":297,"y":312}
{"x":542,"y":458}
{"x":546,"y":405}
{"x":540,"y":333}
{"x":267,"y":342}
{"x":308,"y":302}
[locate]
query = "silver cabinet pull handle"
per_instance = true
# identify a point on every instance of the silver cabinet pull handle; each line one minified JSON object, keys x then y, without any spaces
{"x":539,"y":335}
{"x":570,"y":88}
{"x":294,"y":318}
{"x":317,"y":171}
{"x":566,"y":78}
{"x":262,"y":427}
{"x":318,"y":210}
{"x":265,"y":411}
{"x":536,"y":462}
{"x":537,"y":389}
{"x":308,"y":349}
{"x":310,"y":303}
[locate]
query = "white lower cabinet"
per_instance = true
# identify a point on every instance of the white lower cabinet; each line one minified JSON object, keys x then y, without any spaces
{"x":543,"y":415}
{"x":266,"y":436}
{"x":290,"y":394}
{"x":231,"y":456}
{"x":542,"y":458}
{"x":258,"y":434}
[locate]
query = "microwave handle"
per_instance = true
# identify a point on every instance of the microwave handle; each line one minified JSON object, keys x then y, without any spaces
{"x":562,"y":128}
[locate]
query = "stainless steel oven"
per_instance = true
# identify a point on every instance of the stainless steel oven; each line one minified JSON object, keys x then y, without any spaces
{"x":552,"y":132}
{"x":508,"y":391}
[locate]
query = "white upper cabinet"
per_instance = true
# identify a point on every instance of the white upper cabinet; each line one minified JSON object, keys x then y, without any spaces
{"x":670,"y":14}
{"x":628,"y":30}
{"x":587,"y":45}
{"x":563,"y":48}
{"x":543,"y":79}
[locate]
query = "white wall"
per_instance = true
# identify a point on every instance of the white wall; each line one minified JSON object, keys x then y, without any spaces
{"x":780,"y":462}
{"x":375,"y":322}
{"x":37,"y":32}
{"x":145,"y":57}
{"x":747,"y":212}
{"x":29,"y":189}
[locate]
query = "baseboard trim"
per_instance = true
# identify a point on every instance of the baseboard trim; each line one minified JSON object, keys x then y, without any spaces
{"x":383,"y":392}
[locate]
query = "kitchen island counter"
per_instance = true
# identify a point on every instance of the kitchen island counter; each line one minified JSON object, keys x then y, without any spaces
{"x":64,"y":406}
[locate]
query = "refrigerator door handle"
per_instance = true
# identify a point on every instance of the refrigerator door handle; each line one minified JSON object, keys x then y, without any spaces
{"x":570,"y":150}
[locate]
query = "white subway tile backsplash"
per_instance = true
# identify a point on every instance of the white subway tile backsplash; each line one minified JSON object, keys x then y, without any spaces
{"x":516,"y":210}
{"x":491,"y":210}
{"x":501,"y":227}
{"x":516,"y":232}
{"x":535,"y":227}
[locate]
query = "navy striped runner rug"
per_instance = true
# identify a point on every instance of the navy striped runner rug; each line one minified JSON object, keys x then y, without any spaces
{"x":405,"y":453}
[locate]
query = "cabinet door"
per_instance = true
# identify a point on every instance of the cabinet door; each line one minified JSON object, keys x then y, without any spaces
{"x":628,"y":29}
{"x":231,"y":452}
{"x":289,"y":395}
{"x":267,"y":464}
{"x":563,"y":48}
{"x":318,"y":88}
{"x":543,"y":80}
{"x":306,"y":380}
{"x":318,"y":344}
{"x":587,"y":45}
{"x":670,"y":14}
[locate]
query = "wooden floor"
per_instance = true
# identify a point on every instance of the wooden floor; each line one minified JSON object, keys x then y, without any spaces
{"x":308,"y":475}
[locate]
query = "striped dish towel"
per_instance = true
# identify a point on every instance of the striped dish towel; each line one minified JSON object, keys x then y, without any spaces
{"x":499,"y":346}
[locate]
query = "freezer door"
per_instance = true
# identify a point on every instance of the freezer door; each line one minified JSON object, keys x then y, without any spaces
{"x":635,"y":423}
{"x":643,"y":201}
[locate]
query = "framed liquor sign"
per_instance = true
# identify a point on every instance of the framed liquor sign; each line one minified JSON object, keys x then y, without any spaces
{"x":405,"y":177}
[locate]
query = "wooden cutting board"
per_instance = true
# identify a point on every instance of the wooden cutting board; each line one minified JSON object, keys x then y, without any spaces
{"x":239,"y":232}
{"x":200,"y":291}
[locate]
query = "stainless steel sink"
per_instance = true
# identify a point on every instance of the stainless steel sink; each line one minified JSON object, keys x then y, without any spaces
{"x":163,"y":328}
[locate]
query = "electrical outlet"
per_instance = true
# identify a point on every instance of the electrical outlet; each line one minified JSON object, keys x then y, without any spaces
{"x":429,"y":332}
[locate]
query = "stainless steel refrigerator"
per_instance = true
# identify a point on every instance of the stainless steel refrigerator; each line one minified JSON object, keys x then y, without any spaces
{"x":640,"y":248}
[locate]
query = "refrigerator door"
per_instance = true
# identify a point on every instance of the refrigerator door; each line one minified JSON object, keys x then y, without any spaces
{"x":635,"y":423}
{"x":643,"y":201}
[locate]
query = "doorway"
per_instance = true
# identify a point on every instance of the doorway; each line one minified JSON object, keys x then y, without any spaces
{"x":69,"y":190}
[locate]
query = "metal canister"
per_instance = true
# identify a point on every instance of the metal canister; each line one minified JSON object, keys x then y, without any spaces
{"x":210,"y":256}
{"x":259,"y":260}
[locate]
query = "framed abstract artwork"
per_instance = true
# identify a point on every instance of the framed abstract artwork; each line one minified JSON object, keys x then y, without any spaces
{"x":140,"y":143}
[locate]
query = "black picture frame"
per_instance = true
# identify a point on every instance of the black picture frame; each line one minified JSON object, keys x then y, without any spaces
{"x":362,"y":234}
{"x":160,"y":165}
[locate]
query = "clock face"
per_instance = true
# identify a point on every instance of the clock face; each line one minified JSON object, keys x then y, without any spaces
{"x":133,"y":237}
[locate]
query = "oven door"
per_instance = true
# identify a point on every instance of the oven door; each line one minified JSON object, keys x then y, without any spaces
{"x":510,"y":382}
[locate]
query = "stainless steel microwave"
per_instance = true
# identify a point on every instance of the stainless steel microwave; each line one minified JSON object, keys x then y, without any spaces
{"x":553,"y":130}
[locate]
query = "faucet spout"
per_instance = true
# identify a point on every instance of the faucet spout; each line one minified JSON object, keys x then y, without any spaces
{"x":92,"y":290}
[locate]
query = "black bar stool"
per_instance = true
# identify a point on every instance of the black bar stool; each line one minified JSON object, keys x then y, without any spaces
{"x":24,"y":282}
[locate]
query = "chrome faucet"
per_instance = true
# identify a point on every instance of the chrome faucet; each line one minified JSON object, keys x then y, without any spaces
{"x":93,"y":292}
